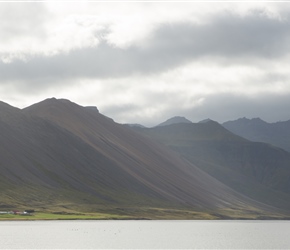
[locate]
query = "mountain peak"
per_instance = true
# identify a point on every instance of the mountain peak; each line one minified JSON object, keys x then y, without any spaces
{"x":54,"y":100}
{"x":247,"y":120}
{"x":206,"y":120}
{"x":57,"y":110}
{"x":48,"y":102}
{"x":256,"y":129}
{"x":175,"y":120}
{"x":52,"y":104}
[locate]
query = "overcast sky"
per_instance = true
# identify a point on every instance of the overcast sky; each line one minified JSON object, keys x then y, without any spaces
{"x":144,"y":62}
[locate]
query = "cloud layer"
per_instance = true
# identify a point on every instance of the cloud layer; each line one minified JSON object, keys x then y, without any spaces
{"x":223,"y":63}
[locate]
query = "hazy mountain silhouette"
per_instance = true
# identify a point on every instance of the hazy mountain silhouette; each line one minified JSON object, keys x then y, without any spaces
{"x":175,"y":120}
{"x":277,"y":134}
{"x":133,"y":125}
{"x":255,"y":169}
{"x":205,"y":120}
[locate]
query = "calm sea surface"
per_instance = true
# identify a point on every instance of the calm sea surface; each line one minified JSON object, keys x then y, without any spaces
{"x":145,"y":235}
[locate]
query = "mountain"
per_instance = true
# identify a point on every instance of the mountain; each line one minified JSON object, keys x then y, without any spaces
{"x":57,"y":155}
{"x":277,"y":134}
{"x":205,"y":120}
{"x":174,"y":120}
{"x":257,"y":170}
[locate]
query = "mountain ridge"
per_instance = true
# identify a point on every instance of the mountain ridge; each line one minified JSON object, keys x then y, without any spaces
{"x":234,"y":160}
{"x":277,"y":134}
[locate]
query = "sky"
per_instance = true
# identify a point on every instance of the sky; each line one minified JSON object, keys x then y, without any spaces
{"x":147,"y":61}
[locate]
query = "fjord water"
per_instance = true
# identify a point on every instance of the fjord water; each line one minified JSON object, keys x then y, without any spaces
{"x":145,"y":234}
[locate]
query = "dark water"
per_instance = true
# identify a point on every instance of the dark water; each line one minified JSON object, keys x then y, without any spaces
{"x":145,"y":235}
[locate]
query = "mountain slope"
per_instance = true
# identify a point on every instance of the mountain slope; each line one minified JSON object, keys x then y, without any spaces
{"x":256,"y":170}
{"x":57,"y":153}
{"x":152,"y":165}
{"x":277,"y":134}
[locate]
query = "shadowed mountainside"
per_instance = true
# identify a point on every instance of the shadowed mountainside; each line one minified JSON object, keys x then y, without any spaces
{"x":277,"y":134}
{"x":58,"y":154}
{"x":257,"y":170}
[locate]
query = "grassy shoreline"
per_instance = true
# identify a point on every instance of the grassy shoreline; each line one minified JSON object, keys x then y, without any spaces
{"x":143,"y":214}
{"x":97,"y":216}
{"x":57,"y":216}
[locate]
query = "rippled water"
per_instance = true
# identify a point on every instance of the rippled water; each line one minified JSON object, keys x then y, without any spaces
{"x":145,"y":234}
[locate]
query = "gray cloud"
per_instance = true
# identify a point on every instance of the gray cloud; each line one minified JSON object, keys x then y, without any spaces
{"x":254,"y":40}
{"x":218,"y":107}
{"x":229,"y":106}
{"x":226,"y":36}
{"x":121,"y":111}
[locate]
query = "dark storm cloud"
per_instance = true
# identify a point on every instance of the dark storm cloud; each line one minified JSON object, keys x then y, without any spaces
{"x":229,"y":37}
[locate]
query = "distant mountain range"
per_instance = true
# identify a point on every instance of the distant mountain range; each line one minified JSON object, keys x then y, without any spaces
{"x":175,"y":120}
{"x":256,"y":170}
{"x":277,"y":134}
{"x":57,"y":155}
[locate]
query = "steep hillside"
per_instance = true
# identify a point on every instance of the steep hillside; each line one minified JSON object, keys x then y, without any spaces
{"x":277,"y":134}
{"x":257,"y":170}
{"x":157,"y":171}
{"x":59,"y":154}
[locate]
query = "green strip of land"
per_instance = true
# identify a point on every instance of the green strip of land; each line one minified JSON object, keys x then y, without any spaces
{"x":145,"y":213}
{"x":56,"y":216}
